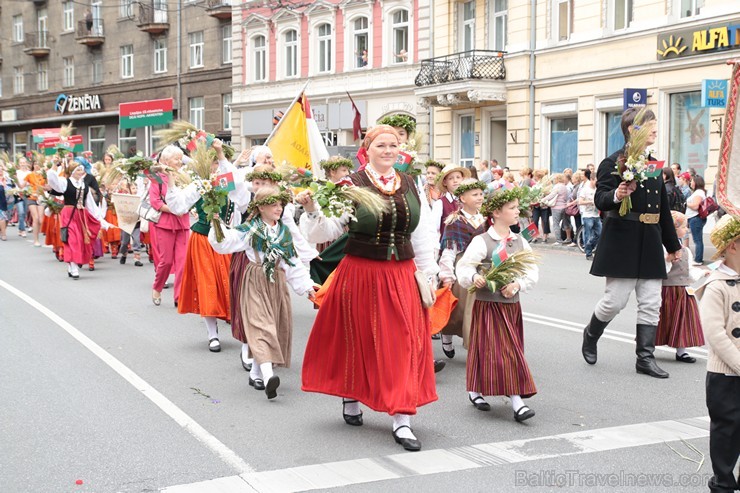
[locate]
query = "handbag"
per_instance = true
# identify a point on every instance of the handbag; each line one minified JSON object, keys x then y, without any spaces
{"x":548,"y":202}
{"x":147,"y":212}
{"x":707,"y":206}
{"x":64,"y":230}
{"x":572,"y":209}
{"x":425,"y":290}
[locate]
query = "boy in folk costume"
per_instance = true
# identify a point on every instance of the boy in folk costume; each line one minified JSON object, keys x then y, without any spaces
{"x":720,"y":319}
{"x":433,"y":169}
{"x":265,"y":301}
{"x":461,"y":227}
{"x":447,"y":182}
{"x":496,"y":363}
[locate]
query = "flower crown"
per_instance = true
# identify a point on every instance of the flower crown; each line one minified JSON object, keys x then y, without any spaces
{"x":436,"y":164}
{"x":466,"y":187}
{"x":403,"y":121}
{"x":264,"y":175}
{"x":283,"y":197}
{"x":336,"y":162}
{"x":498,"y":199}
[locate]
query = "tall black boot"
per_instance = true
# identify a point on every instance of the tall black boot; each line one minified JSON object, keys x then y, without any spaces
{"x":591,"y":334}
{"x":645,"y":348}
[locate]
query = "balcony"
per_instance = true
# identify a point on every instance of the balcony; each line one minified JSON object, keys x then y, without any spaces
{"x":36,"y":44}
{"x":220,"y":9}
{"x":92,"y":36}
{"x":152,"y":17}
{"x":466,"y":78}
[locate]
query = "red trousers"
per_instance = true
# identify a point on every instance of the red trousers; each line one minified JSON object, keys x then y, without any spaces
{"x":171,"y":246}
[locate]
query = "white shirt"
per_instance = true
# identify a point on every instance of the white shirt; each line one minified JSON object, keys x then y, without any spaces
{"x":587,"y":193}
{"x":60,"y":184}
{"x":695,"y":212}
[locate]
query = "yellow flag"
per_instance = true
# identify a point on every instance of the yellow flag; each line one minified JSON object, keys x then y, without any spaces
{"x":289,"y":141}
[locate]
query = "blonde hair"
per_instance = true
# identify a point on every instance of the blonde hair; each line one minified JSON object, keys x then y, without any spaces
{"x":539,"y":174}
{"x":558,"y":178}
{"x":678,"y":219}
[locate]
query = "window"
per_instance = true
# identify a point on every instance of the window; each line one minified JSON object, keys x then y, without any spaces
{"x":561,"y":19}
{"x":500,"y":21}
{"x":466,"y":15}
{"x":260,"y":58}
{"x":127,"y":141}
{"x":622,"y":14}
{"x":127,"y":61}
{"x":563,"y":144}
{"x":126,"y":8}
{"x":291,"y":53}
{"x":68,"y":76}
{"x":400,"y":36}
{"x":324,"y":38}
{"x":18,"y":80}
{"x":96,"y":138}
{"x":160,"y":11}
{"x":154,"y":139}
{"x":197,"y":111}
{"x":689,"y":8}
{"x":361,"y":43}
{"x":226,"y":43}
{"x":689,"y":131}
{"x":227,"y":111}
{"x":18,"y":28}
{"x":68,"y":16}
{"x":614,"y":136}
{"x":467,"y":140}
{"x":160,"y":55}
{"x":20,"y":142}
{"x":196,"y":49}
{"x":42,"y":71}
{"x":97,"y":69}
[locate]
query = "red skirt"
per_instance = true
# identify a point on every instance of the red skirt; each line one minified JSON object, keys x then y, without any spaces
{"x":81,"y":233}
{"x":496,"y":363}
{"x":680,"y":324}
{"x":113,"y":235}
{"x":205,"y":280}
{"x":371,"y":338}
{"x":239,"y":261}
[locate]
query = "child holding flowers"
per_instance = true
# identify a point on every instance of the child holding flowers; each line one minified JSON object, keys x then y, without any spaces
{"x":496,"y":363}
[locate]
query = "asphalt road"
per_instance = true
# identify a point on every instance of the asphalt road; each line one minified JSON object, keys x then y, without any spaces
{"x":99,"y":385}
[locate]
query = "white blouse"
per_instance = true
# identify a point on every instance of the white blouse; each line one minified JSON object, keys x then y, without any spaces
{"x":59,"y":184}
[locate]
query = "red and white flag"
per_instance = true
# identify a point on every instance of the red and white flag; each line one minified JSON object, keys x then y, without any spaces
{"x":728,"y":175}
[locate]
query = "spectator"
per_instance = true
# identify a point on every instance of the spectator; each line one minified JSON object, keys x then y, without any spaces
{"x":590,"y":167}
{"x":484,"y":173}
{"x":578,"y":179}
{"x":684,"y":179}
{"x":525,"y":175}
{"x":559,"y":219}
{"x":589,"y":214}
{"x":696,"y":223}
{"x":540,"y":212}
{"x":676,"y":168}
{"x":88,"y":20}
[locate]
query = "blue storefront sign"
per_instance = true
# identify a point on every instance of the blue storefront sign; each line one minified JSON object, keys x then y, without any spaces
{"x":634,"y":98}
{"x":713,"y":93}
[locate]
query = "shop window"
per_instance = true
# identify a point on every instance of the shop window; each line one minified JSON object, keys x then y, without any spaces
{"x":689,"y":131}
{"x":96,"y":139}
{"x":127,"y":141}
{"x":563,"y":144}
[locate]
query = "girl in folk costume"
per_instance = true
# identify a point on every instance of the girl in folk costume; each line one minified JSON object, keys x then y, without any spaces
{"x":113,"y":235}
{"x":433,"y":169}
{"x":205,"y":282}
{"x":461,"y":227}
{"x":52,"y":213}
{"x":265,"y":301}
{"x":81,"y":217}
{"x":447,"y":182}
{"x":496,"y":363}
{"x":680,"y":324}
{"x":370,"y":341}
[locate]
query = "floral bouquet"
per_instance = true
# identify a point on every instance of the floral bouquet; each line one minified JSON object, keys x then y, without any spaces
{"x":294,"y":176}
{"x":508,"y":269}
{"x":337,"y":199}
{"x":129,"y":169}
{"x":49,"y":201}
{"x":632,"y":167}
{"x":214,"y":198}
{"x":187,"y":137}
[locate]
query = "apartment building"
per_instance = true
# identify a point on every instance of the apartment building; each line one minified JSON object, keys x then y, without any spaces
{"x":541,"y":83}
{"x":76,"y":60}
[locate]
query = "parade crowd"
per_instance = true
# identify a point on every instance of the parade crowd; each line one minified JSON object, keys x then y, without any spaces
{"x":393,"y":254}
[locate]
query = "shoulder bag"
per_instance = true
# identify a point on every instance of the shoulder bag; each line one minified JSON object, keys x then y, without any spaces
{"x":145,"y":209}
{"x":425,"y":289}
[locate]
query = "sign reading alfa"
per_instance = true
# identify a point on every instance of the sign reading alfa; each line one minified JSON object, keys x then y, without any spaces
{"x":697,"y":41}
{"x":67,"y":103}
{"x":145,"y":113}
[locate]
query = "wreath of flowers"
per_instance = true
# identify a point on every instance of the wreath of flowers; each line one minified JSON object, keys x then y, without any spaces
{"x":403,"y":121}
{"x":498,"y":199}
{"x":478,"y":185}
{"x":283,"y":197}
{"x":264,"y":175}
{"x":436,"y":164}
{"x":336,"y":162}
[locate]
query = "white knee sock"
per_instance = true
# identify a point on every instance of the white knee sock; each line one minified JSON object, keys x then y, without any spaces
{"x":245,"y":353}
{"x":400,"y":420}
{"x":474,"y":395}
{"x":516,"y":402}
{"x":266,"y":369}
{"x":446,"y":339}
{"x":681,"y":351}
{"x":255,"y":372}
{"x":211,"y":327}
{"x":73,"y":269}
{"x":352,"y":408}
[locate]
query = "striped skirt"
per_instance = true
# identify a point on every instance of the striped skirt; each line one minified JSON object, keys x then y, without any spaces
{"x":496,"y":363}
{"x":239,"y":263}
{"x":680,"y":325}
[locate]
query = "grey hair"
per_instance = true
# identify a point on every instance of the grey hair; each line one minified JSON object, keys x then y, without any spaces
{"x":258,"y":151}
{"x":169,"y":152}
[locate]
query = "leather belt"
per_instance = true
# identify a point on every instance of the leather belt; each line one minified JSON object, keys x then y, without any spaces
{"x":643,"y":217}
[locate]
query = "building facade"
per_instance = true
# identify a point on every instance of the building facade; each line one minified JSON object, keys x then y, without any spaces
{"x":75,"y":61}
{"x":370,"y":49}
{"x":540,"y":83}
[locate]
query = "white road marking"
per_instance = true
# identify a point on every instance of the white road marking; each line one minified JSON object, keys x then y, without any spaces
{"x":169,"y":408}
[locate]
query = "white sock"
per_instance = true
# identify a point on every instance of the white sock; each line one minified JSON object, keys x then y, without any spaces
{"x":680,"y":351}
{"x":211,"y":327}
{"x":352,"y":408}
{"x":245,"y":353}
{"x":255,"y":372}
{"x":266,"y":369}
{"x":446,"y":339}
{"x":73,"y":269}
{"x":516,"y":402}
{"x":400,"y":420}
{"x":474,"y":395}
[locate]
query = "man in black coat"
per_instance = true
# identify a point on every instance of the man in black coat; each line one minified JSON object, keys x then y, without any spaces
{"x":630,"y":251}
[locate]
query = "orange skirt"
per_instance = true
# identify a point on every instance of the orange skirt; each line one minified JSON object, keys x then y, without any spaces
{"x":205,"y":280}
{"x":112,"y":235}
{"x":51,"y":226}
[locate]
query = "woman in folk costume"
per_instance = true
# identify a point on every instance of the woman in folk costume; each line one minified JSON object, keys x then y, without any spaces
{"x":370,"y":342}
{"x":447,"y":182}
{"x":205,"y":280}
{"x":496,"y":363}
{"x":680,"y":324}
{"x":461,"y":227}
{"x":265,"y":301}
{"x":81,"y":216}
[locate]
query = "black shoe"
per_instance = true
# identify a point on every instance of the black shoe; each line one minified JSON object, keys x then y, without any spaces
{"x":645,"y":347}
{"x":591,"y":334}
{"x":410,"y":444}
{"x":436,"y":337}
{"x":91,"y":268}
{"x":686,"y":358}
{"x":123,"y":260}
{"x":175,"y":304}
{"x":246,"y":366}
{"x":76,"y":277}
{"x":214,"y":348}
{"x":451,"y":353}
{"x":480,"y":403}
{"x":271,"y":386}
{"x":69,"y":274}
{"x":351,"y":419}
{"x":439,"y":365}
{"x":166,"y":285}
{"x":257,"y":383}
{"x":523,"y":414}
{"x":138,"y":263}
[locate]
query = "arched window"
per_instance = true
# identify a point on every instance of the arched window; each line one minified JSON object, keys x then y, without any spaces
{"x":400,"y":36}
{"x":290,"y":38}
{"x":360,"y":42}
{"x":323,"y":35}
{"x":260,"y":58}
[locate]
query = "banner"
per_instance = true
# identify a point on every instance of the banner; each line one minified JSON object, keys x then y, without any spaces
{"x":41,"y":134}
{"x":50,"y":145}
{"x":126,"y":206}
{"x":728,"y":174}
{"x":145,"y":113}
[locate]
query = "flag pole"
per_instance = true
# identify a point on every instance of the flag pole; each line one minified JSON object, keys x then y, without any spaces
{"x":302,"y":91}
